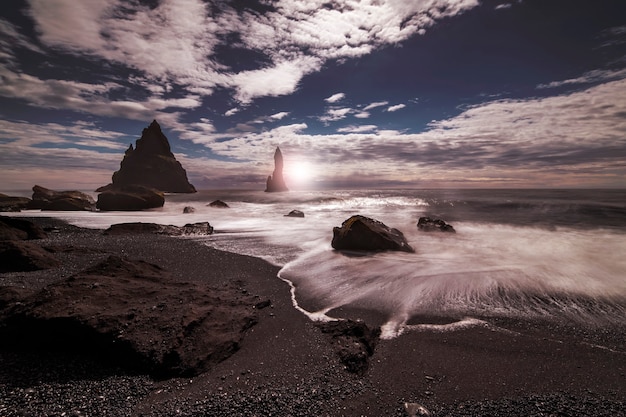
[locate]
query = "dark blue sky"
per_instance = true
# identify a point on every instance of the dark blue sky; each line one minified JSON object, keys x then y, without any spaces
{"x":444,"y":93}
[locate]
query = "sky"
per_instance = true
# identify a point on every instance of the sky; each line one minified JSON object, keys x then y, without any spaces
{"x":357,"y":94}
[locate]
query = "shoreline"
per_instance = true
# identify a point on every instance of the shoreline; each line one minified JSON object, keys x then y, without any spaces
{"x":287,"y":366}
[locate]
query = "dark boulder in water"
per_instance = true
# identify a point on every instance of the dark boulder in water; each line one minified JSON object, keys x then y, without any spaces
{"x":295,"y":213}
{"x":365,"y":234}
{"x":188,"y":210}
{"x":130,"y":198}
{"x":46,"y":199}
{"x":218,"y":204}
{"x":426,"y":224}
{"x":152,"y":164}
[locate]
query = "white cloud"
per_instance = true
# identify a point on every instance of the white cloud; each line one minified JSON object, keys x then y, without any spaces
{"x":335,"y":98}
{"x":375,"y":104}
{"x":590,"y":77}
{"x":358,"y":129}
{"x":396,"y":107}
{"x":232,"y":112}
{"x":335,"y":114}
{"x":279,"y":116}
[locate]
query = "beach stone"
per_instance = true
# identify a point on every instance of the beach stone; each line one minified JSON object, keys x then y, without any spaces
{"x":13,"y":204}
{"x":218,"y":204}
{"x":427,"y":224}
{"x":21,"y":256}
{"x":415,"y":409}
{"x":12,"y":228}
{"x":200,"y":228}
{"x":365,"y":234}
{"x":353,"y":342}
{"x":188,"y":210}
{"x":295,"y":213}
{"x":46,"y":199}
{"x":135,"y":315}
{"x":130,"y":198}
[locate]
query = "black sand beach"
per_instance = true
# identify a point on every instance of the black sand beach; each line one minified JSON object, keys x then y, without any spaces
{"x":286,"y":366}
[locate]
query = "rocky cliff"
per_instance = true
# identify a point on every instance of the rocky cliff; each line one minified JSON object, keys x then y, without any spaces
{"x":151,"y":163}
{"x":276,"y":182}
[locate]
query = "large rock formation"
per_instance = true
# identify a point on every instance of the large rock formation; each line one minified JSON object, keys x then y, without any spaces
{"x":364,"y":234}
{"x":46,"y":199}
{"x":201,"y":228}
{"x":276,"y":182}
{"x":427,"y":224}
{"x":9,"y":203}
{"x":130,"y":198}
{"x":151,"y":164}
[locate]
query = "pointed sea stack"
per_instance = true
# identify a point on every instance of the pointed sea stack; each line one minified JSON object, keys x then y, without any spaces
{"x":276,"y":182}
{"x":152,"y":164}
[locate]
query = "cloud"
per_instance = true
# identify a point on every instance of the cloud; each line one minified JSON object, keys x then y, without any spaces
{"x":232,"y":112}
{"x":335,"y":98}
{"x":357,"y":129}
{"x":375,"y":104}
{"x":590,"y":77}
{"x":396,"y":107}
{"x":279,"y":116}
{"x":334,"y":114}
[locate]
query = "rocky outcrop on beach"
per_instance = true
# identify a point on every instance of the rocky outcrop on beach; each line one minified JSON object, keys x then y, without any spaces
{"x":276,"y":182}
{"x":353,"y":342}
{"x":46,"y":199}
{"x":170,"y":328}
{"x":364,"y":234}
{"x":12,"y":228}
{"x":10,"y":203}
{"x":427,"y":224}
{"x":202,"y":228}
{"x":130,"y":198}
{"x":151,"y":164}
{"x":295,"y":213}
{"x":19,"y":256}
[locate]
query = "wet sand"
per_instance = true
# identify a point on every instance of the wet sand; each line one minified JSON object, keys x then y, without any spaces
{"x":287,"y":366}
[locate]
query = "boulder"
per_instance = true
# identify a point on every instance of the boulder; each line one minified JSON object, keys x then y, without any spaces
{"x":130,"y":198}
{"x":12,"y":228}
{"x":136,"y":315}
{"x":19,"y":256}
{"x":46,"y":199}
{"x":364,"y":234}
{"x":276,"y":182}
{"x":353,"y":341}
{"x":218,"y":204}
{"x":295,"y":213}
{"x":8,"y":203}
{"x":151,"y":164}
{"x":426,"y":224}
{"x":202,"y":228}
{"x":189,"y":210}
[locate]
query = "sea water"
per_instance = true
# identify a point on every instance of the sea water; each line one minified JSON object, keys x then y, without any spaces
{"x":517,"y":253}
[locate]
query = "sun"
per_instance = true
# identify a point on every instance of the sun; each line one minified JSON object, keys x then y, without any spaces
{"x":299,"y":174}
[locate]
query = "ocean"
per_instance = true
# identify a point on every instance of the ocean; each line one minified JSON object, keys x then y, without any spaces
{"x":554,"y":254}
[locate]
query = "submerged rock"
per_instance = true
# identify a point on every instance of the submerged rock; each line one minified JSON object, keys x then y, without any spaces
{"x":295,"y":213}
{"x":46,"y":199}
{"x":151,"y":164}
{"x":218,"y":204}
{"x":365,"y":234}
{"x":134,"y":314}
{"x":188,"y":210}
{"x":130,"y":198}
{"x":426,"y":224}
{"x":276,"y":182}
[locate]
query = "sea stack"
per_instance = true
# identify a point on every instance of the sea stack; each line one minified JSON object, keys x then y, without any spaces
{"x":152,"y":164}
{"x":276,"y":182}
